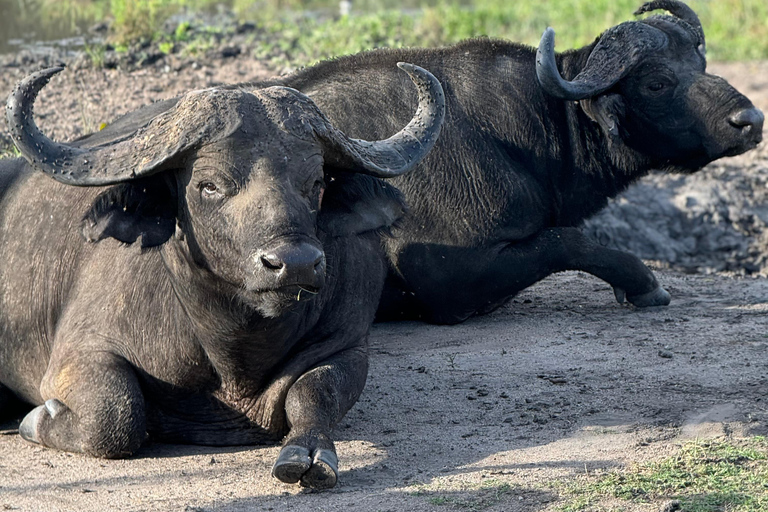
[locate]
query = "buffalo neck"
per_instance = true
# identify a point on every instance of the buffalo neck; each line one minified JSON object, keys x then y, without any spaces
{"x":594,"y":168}
{"x":230,"y":331}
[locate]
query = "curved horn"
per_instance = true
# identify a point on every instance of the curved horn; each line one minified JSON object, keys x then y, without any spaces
{"x":401,"y":152}
{"x":679,"y":10}
{"x":36,"y":147}
{"x":139,"y":155}
{"x":618,"y":50}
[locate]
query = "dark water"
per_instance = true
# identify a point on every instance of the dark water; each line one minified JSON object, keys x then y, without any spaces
{"x":39,"y":35}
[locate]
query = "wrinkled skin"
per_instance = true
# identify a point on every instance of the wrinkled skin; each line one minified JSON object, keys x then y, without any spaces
{"x":496,"y":206}
{"x":224,"y":298}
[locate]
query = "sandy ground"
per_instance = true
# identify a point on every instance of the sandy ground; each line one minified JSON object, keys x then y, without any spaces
{"x":560,"y":383}
{"x":488,"y":415}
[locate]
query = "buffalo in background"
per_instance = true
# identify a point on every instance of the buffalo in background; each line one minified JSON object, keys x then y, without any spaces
{"x":231,"y":272}
{"x":533,"y":144}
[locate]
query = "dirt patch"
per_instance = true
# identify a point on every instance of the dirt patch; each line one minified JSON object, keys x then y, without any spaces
{"x":487,"y":414}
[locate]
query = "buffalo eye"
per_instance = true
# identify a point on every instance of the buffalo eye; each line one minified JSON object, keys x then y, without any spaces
{"x":656,"y":86}
{"x":209,"y":190}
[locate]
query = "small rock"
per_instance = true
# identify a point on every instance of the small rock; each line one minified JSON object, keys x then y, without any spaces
{"x":671,"y":506}
{"x":230,"y":51}
{"x":243,"y":28}
{"x":666,"y":354}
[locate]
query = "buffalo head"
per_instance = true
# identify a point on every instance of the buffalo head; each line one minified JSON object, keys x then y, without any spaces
{"x":245,"y":181}
{"x":645,"y":83}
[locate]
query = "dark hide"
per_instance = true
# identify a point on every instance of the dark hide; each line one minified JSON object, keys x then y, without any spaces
{"x":234,"y":320}
{"x":125,"y":212}
{"x":496,"y":206}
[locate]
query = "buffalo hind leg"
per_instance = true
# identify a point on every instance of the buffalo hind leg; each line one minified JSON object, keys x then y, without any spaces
{"x":450,"y":284}
{"x":96,"y":407}
{"x":313,"y":406}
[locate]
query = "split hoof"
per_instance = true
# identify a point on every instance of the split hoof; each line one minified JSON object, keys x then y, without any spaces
{"x":294,"y":464}
{"x":657,"y":297}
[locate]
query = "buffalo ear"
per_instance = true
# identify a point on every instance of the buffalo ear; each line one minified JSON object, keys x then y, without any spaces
{"x":605,"y":110}
{"x":356,"y":203}
{"x":143,"y":208}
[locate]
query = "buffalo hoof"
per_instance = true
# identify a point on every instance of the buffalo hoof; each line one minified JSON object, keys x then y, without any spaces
{"x":657,"y":297}
{"x":30,"y":425}
{"x":294,"y":464}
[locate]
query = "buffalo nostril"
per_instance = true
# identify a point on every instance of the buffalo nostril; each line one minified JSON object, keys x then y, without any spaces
{"x":748,"y":118}
{"x":272,"y":262}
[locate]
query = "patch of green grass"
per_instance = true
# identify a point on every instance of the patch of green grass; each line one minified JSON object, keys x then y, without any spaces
{"x":736,"y":29}
{"x":705,"y":476}
{"x":304,"y":31}
{"x":8,"y":149}
{"x":96,"y":53}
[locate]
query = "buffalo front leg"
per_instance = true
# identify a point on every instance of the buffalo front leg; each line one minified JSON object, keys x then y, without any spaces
{"x":446,"y":285}
{"x":94,"y":405}
{"x":313,"y":406}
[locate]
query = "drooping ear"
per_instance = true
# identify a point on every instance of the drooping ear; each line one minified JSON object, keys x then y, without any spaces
{"x":606,"y":110}
{"x":143,"y":208}
{"x":356,"y":203}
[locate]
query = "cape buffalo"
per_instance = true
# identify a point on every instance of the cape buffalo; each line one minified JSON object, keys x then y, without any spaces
{"x":533,"y":144}
{"x":233,"y":274}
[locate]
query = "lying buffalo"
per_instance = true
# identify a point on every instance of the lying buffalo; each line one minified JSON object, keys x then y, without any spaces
{"x":534,"y":143}
{"x":232,"y":276}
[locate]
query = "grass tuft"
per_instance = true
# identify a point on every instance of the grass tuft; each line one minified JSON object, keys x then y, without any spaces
{"x":705,"y":476}
{"x":7,"y":148}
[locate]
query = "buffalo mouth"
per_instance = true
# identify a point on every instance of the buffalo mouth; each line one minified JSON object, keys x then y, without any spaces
{"x":744,"y":146}
{"x":276,"y":302}
{"x":296,"y":291}
{"x":300,"y":291}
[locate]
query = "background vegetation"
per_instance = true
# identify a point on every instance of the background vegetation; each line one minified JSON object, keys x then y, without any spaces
{"x":303,"y":31}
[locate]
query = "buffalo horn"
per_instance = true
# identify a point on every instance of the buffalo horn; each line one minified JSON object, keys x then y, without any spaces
{"x":614,"y":55}
{"x":679,"y":10}
{"x":141,"y":154}
{"x":401,"y":152}
{"x":36,"y":147}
